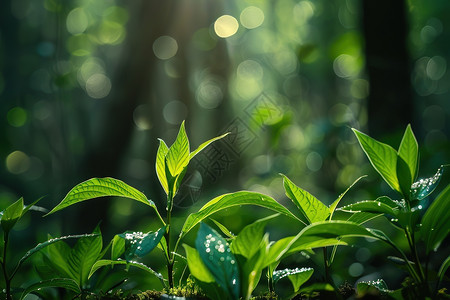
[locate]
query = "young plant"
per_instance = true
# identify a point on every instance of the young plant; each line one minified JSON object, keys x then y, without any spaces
{"x":9,"y":218}
{"x":399,"y":169}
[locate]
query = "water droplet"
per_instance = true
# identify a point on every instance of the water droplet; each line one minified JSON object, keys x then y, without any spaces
{"x":379,"y":203}
{"x":222,"y":259}
{"x":232,"y":262}
{"x":208,"y":250}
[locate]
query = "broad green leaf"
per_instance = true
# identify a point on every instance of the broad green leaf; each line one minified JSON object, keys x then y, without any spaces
{"x":247,"y":241}
{"x":161,"y":165}
{"x":177,"y":157}
{"x":424,"y":187}
{"x":309,"y":206}
{"x":333,"y":205}
{"x":57,"y":255}
{"x":382,"y":157}
{"x":83,"y":256}
{"x":435,"y":222}
{"x":234,"y":199}
{"x":409,"y":151}
{"x":196,"y":265}
{"x":101,"y":187}
{"x":252,"y":268}
{"x":49,"y":242}
{"x":216,"y":255}
{"x":66,"y":283}
{"x":404,"y":178}
{"x":364,"y":287}
{"x":445,"y":265}
{"x":335,"y":229}
{"x":382,"y":205}
{"x":319,"y":286}
{"x":11,"y":215}
{"x":297,"y":276}
{"x":138,"y":244}
{"x":118,"y":247}
{"x":106,"y":262}
{"x":205,"y":144}
{"x":363,"y":217}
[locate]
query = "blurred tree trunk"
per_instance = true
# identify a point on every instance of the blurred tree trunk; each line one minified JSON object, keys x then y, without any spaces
{"x":390,"y":106}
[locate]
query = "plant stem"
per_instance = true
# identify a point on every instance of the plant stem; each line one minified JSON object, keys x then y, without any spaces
{"x":327,"y":269}
{"x":170,"y":258}
{"x":5,"y":272}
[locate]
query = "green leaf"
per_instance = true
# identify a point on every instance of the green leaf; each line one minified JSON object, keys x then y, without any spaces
{"x":11,"y":215}
{"x":224,"y":230}
{"x":252,"y":268}
{"x":83,"y":256}
{"x":382,"y":205}
{"x":309,"y":206}
{"x":319,"y":286}
{"x":424,"y":187}
{"x":382,"y":157}
{"x":297,"y":276}
{"x":234,"y":199}
{"x":365,"y":287}
{"x":409,"y":152}
{"x":138,"y":244}
{"x":333,"y":205}
{"x":362,"y":217}
{"x":57,"y":255}
{"x":441,"y":273}
{"x":247,"y":241}
{"x":336,"y":229}
{"x":435,"y":222}
{"x":118,"y":247}
{"x":177,"y":157}
{"x":205,"y":144}
{"x":106,"y":262}
{"x":66,"y":283}
{"x":404,"y":178}
{"x":196,"y":265}
{"x":216,"y":255}
{"x":101,"y":187}
{"x":47,"y":243}
{"x":161,"y":165}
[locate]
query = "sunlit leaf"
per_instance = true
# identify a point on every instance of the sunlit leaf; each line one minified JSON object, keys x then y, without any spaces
{"x":66,"y":283}
{"x":118,"y":247}
{"x":216,"y":255}
{"x":11,"y":215}
{"x":101,"y":187}
{"x":424,"y":187}
{"x":138,"y":244}
{"x":161,"y":165}
{"x":409,"y":151}
{"x":252,"y":267}
{"x":404,"y":178}
{"x":205,"y":144}
{"x":334,"y":229}
{"x":435,"y":222}
{"x":196,"y":265}
{"x":223,"y":229}
{"x":234,"y":199}
{"x":57,"y":254}
{"x":310,"y":206}
{"x":333,"y":205}
{"x":297,"y":276}
{"x":247,"y":241}
{"x":177,"y":157}
{"x":363,"y":217}
{"x":382,"y":157}
{"x":106,"y":262}
{"x":382,"y":205}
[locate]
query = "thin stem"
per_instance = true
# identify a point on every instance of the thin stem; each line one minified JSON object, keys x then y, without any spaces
{"x":170,"y":260}
{"x":412,"y":247}
{"x":325,"y":260}
{"x":5,"y":272}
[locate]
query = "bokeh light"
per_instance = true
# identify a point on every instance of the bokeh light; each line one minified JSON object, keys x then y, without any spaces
{"x":77,"y":21}
{"x":226,"y":26}
{"x":175,"y":112}
{"x":17,"y":116}
{"x":252,"y":17}
{"x":165,"y":47}
{"x":98,"y":86}
{"x":17,"y":162}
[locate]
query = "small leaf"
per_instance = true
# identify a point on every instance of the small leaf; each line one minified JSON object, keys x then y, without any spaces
{"x":364,"y":287}
{"x":441,"y":273}
{"x":297,"y":276}
{"x":409,"y":152}
{"x":205,"y":144}
{"x":424,"y":187}
{"x":435,"y":222}
{"x":224,"y":230}
{"x":106,"y":262}
{"x":101,"y":187}
{"x":404,"y":178}
{"x":161,"y":165}
{"x":66,"y":283}
{"x":247,"y":241}
{"x":118,"y":247}
{"x":382,"y":205}
{"x":177,"y":157}
{"x":196,"y":265}
{"x":363,"y":217}
{"x":11,"y":215}
{"x":310,"y":206}
{"x":216,"y":255}
{"x":382,"y":157}
{"x":333,"y":205}
{"x":138,"y":244}
{"x":234,"y":199}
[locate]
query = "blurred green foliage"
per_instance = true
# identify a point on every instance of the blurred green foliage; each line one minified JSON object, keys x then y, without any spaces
{"x":87,"y":87}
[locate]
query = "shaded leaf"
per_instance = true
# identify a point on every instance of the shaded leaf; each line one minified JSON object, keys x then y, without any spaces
{"x":310,"y":206}
{"x":101,"y":187}
{"x":435,"y":222}
{"x":138,"y":244}
{"x":11,"y":215}
{"x":234,"y":199}
{"x":335,"y":229}
{"x":404,"y":178}
{"x":333,"y":205}
{"x":362,"y":217}
{"x":444,"y":267}
{"x":297,"y":276}
{"x":177,"y":157}
{"x":161,"y":165}
{"x":382,"y":205}
{"x":57,"y":254}
{"x":196,"y":265}
{"x":365,"y":287}
{"x":118,"y":247}
{"x":216,"y":255}
{"x":424,"y":187}
{"x":66,"y":283}
{"x":106,"y":262}
{"x":382,"y":157}
{"x":409,"y":152}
